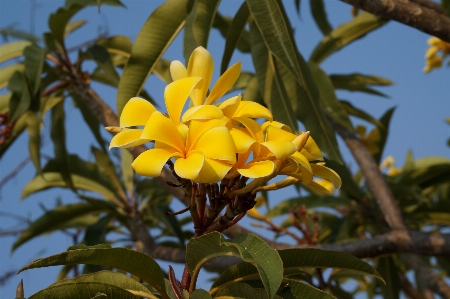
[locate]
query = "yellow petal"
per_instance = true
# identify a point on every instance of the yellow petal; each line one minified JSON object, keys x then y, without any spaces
{"x":280,"y":149}
{"x":128,"y":138}
{"x":275,"y":124}
{"x":230,"y":106}
{"x":202,"y":112}
{"x":321,"y":188}
{"x":303,"y":161}
{"x":151,"y":162}
{"x":176,"y":94}
{"x":183,"y":130}
{"x":253,"y":110}
{"x":201,"y":64}
{"x":242,"y":140}
{"x":160,"y":128}
{"x":213,"y":171}
{"x":198,"y":127}
{"x":277,"y":134}
{"x":257,"y":169}
{"x":177,"y":70}
{"x":189,"y":168}
{"x":136,"y":112}
{"x":252,"y":126}
{"x":311,"y":151}
{"x":301,"y":140}
{"x":327,"y":173}
{"x":224,"y":83}
{"x":216,"y":143}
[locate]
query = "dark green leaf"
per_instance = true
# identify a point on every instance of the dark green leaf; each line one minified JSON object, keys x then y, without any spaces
{"x":119,"y":47}
{"x":246,"y":246}
{"x":446,"y":6}
{"x":58,"y":134}
{"x":386,"y":267}
{"x":320,"y":16}
{"x":34,"y":65}
{"x":300,"y":290}
{"x":20,"y":100}
{"x":131,"y":261}
{"x":237,"y":28}
{"x":348,"y":183}
{"x":198,"y":25}
{"x":34,"y":139}
{"x":352,"y":110}
{"x":359,"y":82}
{"x":242,"y":290}
{"x":155,"y":36}
{"x":7,"y":72}
{"x":54,"y":219}
{"x":101,"y":56}
{"x":57,"y":21}
{"x":223,"y":23}
{"x":69,"y":3}
{"x":200,"y":294}
{"x":345,"y":34}
{"x":384,"y":131}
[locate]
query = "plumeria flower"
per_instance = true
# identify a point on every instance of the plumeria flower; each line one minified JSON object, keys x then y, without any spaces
{"x":204,"y":151}
{"x":432,"y":57}
{"x":369,"y":140}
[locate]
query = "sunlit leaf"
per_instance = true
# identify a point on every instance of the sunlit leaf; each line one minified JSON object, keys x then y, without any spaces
{"x":4,"y":102}
{"x":249,"y":247}
{"x":198,"y":25}
{"x":345,"y":34}
{"x":72,"y":26}
{"x":12,"y":50}
{"x":59,"y":216}
{"x":134,"y":262}
{"x":155,"y":36}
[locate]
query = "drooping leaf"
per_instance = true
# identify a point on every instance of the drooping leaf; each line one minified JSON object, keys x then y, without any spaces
{"x":34,"y":139}
{"x":328,"y":99}
{"x":345,"y":34}
{"x":7,"y":72}
{"x":384,"y":131}
{"x":246,"y":246}
{"x":320,"y":16}
{"x":198,"y":25}
{"x":34,"y":65}
{"x":72,"y":26}
{"x":359,"y":82}
{"x":57,"y":21}
{"x":20,"y":100}
{"x":83,"y":290}
{"x":352,"y":110}
{"x":155,"y":36}
{"x":237,"y":28}
{"x":12,"y":50}
{"x":58,"y":135}
{"x":54,"y":219}
{"x":387,"y":268}
{"x":310,"y":202}
{"x":223,"y":23}
{"x":101,"y":56}
{"x":119,"y":47}
{"x":134,"y":262}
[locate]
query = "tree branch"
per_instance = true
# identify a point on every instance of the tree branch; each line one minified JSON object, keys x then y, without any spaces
{"x":420,"y":14}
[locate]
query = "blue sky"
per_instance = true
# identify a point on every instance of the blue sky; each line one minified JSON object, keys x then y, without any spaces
{"x":395,"y":52}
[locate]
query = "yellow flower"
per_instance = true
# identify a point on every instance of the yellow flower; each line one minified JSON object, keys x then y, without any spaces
{"x":204,"y":151}
{"x":370,"y":140}
{"x":389,"y":163}
{"x":432,"y":57}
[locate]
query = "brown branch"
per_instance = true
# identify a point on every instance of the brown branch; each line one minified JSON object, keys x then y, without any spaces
{"x":377,"y":184}
{"x":418,"y":14}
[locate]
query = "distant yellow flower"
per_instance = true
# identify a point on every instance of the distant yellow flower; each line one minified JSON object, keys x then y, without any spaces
{"x":432,"y":57}
{"x":370,"y":140}
{"x":389,"y":163}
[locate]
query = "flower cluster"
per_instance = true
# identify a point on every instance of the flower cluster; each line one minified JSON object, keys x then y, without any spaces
{"x":213,"y":141}
{"x":432,"y":57}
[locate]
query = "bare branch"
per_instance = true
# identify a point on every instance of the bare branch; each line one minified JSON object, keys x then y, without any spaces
{"x":420,"y":14}
{"x":377,"y":184}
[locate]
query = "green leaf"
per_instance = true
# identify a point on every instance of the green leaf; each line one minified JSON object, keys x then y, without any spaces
{"x":242,"y":290}
{"x":359,"y":82}
{"x":134,"y":262}
{"x":34,"y":65}
{"x":58,"y":135}
{"x":101,"y":56}
{"x":84,"y":176}
{"x":300,"y":290}
{"x":198,"y":25}
{"x":127,"y":170}
{"x":223,"y":23}
{"x":345,"y":34}
{"x":387,"y":268}
{"x":72,"y":26}
{"x":200,"y":294}
{"x":83,"y":290}
{"x":57,"y":21}
{"x":320,"y":16}
{"x":249,"y":247}
{"x":152,"y":41}
{"x":446,"y":6}
{"x":69,"y":3}
{"x":4,"y":102}
{"x":310,"y":202}
{"x":34,"y":139}
{"x":119,"y":47}
{"x":352,"y":110}
{"x":12,"y":50}
{"x":7,"y":72}
{"x":348,"y":183}
{"x":384,"y":131}
{"x":107,"y":169}
{"x":19,"y":126}
{"x":20,"y":100}
{"x":328,"y":100}
{"x":54,"y":219}
{"x":235,"y":32}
